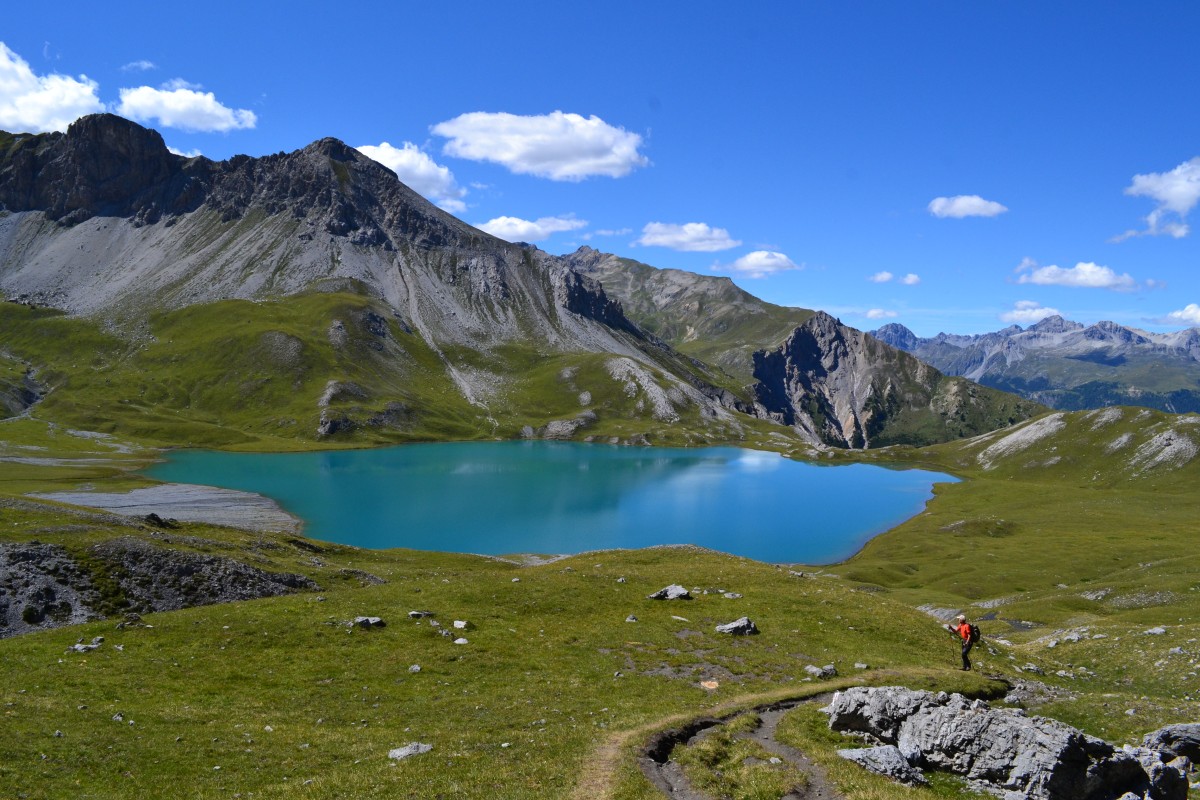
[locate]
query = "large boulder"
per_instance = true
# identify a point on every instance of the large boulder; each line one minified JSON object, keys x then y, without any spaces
{"x":1003,"y":749}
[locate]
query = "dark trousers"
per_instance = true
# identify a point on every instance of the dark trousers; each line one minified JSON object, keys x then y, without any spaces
{"x":966,"y":648}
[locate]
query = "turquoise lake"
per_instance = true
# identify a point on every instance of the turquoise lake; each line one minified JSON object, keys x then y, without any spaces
{"x":500,"y":498}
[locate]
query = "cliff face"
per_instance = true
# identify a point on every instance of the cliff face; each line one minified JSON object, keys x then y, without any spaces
{"x":842,"y":387}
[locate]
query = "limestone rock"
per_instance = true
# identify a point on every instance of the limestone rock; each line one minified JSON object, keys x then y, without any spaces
{"x":1006,"y":750}
{"x":1176,"y":740}
{"x":672,"y":592}
{"x":885,"y":760}
{"x":410,"y":749}
{"x":742,"y":626}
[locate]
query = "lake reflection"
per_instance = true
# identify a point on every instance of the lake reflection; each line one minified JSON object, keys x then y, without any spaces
{"x":566,"y":497}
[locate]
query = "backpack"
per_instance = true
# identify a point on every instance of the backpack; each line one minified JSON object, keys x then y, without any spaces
{"x":974,"y":633}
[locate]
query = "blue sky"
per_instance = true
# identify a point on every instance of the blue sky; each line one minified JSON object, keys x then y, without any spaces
{"x":950,"y":166}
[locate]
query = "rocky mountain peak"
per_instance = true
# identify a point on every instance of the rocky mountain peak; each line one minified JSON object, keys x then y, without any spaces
{"x":1055,"y":324}
{"x":897,"y":336}
{"x":104,"y":165}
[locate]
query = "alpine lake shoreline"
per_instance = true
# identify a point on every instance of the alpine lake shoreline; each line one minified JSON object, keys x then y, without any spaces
{"x":554,"y":691}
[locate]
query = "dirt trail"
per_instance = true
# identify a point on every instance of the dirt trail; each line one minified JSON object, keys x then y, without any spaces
{"x":599,"y":773}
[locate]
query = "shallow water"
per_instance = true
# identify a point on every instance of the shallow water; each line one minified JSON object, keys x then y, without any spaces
{"x":566,"y":497}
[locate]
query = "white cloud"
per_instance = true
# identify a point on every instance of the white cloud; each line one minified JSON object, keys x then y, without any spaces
{"x":562,"y":147}
{"x":139,"y":66}
{"x":690,"y":237}
{"x":420,"y":172}
{"x":38,"y":103}
{"x":1176,"y":193}
{"x":1188,"y":315}
{"x":880,"y":313}
{"x":1085,"y":274}
{"x":761,"y":263}
{"x":911,"y":279}
{"x":964,"y":205}
{"x":180,"y":105}
{"x":1027,"y":312}
{"x":184,"y":153}
{"x":881,"y":277}
{"x":515,"y":229}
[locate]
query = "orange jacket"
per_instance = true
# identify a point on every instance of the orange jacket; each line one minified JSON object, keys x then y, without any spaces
{"x":964,"y":630}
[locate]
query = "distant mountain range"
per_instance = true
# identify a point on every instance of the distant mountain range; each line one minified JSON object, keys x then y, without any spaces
{"x":313,"y":296}
{"x":1066,"y":365}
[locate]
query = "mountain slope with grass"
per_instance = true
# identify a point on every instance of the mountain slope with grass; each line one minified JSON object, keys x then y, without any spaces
{"x":1064,"y":364}
{"x":311,"y":296}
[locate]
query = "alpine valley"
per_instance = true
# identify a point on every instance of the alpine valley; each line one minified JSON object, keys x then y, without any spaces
{"x":310,"y":300}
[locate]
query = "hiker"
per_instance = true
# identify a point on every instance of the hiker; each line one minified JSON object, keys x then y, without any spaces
{"x":968,"y":633}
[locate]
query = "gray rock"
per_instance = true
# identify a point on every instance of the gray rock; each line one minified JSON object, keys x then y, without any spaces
{"x":672,"y":592}
{"x":415,"y":668}
{"x":732,"y":596}
{"x":1156,"y":631}
{"x":821,"y":673}
{"x":369,"y":622}
{"x":1011,"y":753}
{"x":742,"y":626}
{"x":419,"y":614}
{"x":631,"y":618}
{"x":410,"y":749}
{"x":1176,"y":740}
{"x":885,"y":760}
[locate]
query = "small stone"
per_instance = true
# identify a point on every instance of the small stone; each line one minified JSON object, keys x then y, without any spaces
{"x":680,"y":619}
{"x":1157,"y":631}
{"x":732,"y":596}
{"x":827,"y":671}
{"x":860,"y":665}
{"x":410,"y":749}
{"x":419,"y":614}
{"x":774,"y":760}
{"x":415,"y":668}
{"x":460,"y":624}
{"x":461,"y":640}
{"x":631,"y":618}
{"x":672,"y":592}
{"x":268,"y":728}
{"x":743,"y":626}
{"x":369,"y":622}
{"x":516,"y":580}
{"x":1131,"y":712}
{"x":620,"y":580}
{"x":710,"y":685}
{"x":506,"y":744}
{"x":58,"y":734}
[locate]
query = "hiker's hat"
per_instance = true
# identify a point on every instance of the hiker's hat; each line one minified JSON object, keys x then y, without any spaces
{"x":961,"y":616}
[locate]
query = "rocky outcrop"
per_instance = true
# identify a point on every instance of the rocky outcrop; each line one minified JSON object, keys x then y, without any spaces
{"x":47,"y":586}
{"x":1176,"y":740}
{"x":1003,"y":750}
{"x":155,"y":578}
{"x":42,"y":586}
{"x":838,"y":386}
